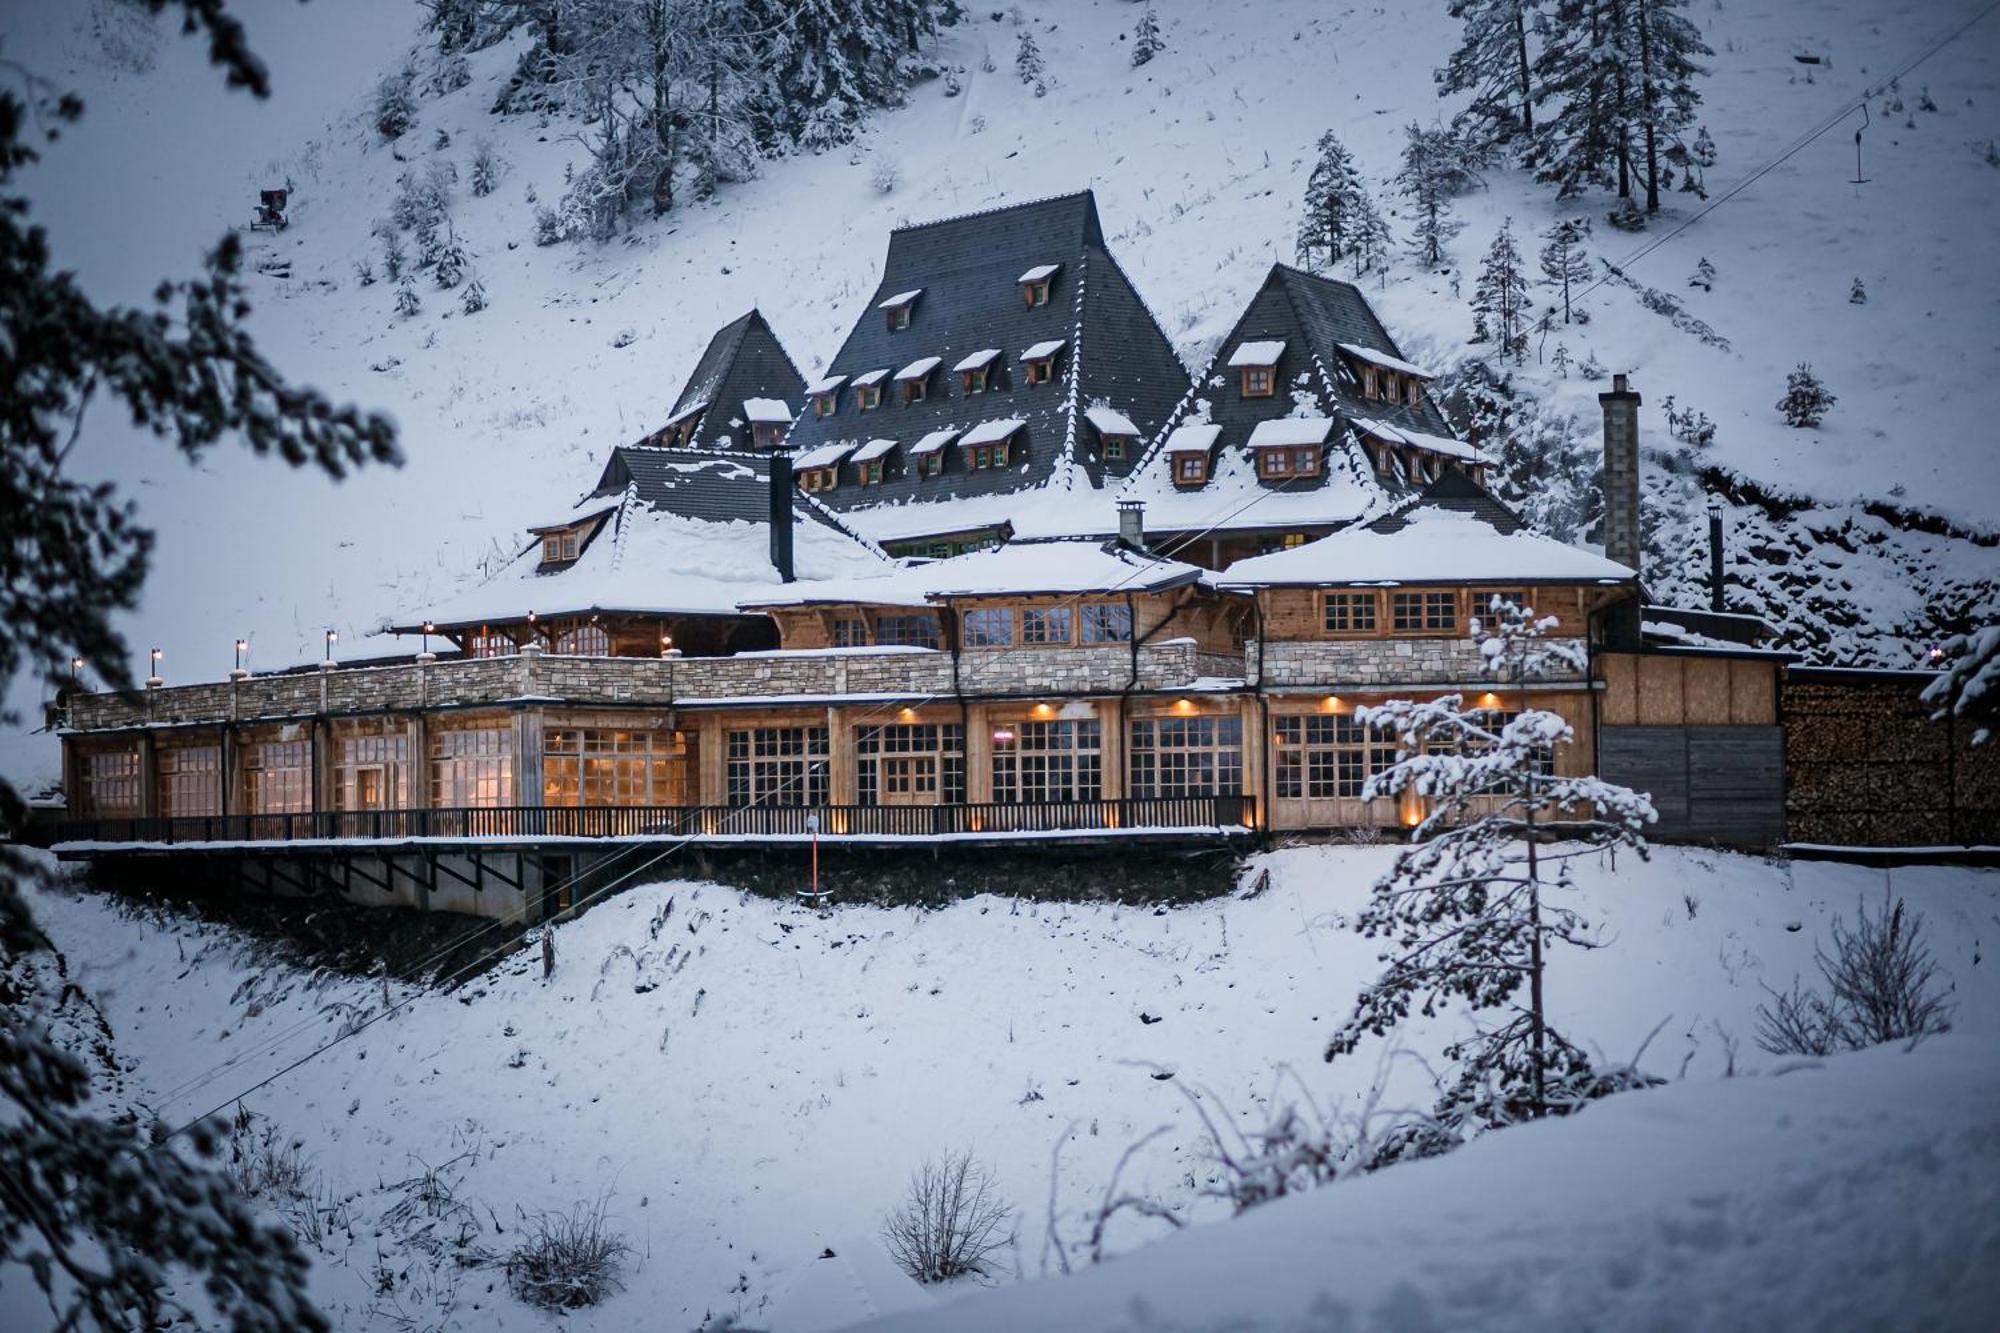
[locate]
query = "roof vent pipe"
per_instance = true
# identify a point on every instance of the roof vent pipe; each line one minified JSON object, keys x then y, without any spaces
{"x":782,"y":516}
{"x":1132,"y":523}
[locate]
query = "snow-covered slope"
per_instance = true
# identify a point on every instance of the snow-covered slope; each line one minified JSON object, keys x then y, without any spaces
{"x":1198,"y":160}
{"x":748,"y":1085}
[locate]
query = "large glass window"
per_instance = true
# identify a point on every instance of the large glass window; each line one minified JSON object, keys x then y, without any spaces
{"x":1350,"y":613}
{"x":191,"y":781}
{"x":1106,"y":623}
{"x":277,"y":777}
{"x":371,"y":768}
{"x":850,"y":632}
{"x":1187,"y":756}
{"x":1327,"y":755}
{"x":604,"y":766}
{"x":472,"y":766}
{"x":111,"y":782}
{"x":992,"y":627}
{"x":915,"y":631}
{"x":490,"y":645}
{"x":910,"y":764}
{"x":777,"y":766}
{"x":1048,"y":761}
{"x":584,"y":641}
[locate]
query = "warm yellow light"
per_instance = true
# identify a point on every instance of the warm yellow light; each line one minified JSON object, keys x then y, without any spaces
{"x":906,"y":715}
{"x":1411,"y":818}
{"x":1043,"y":710}
{"x":1183,"y":706}
{"x":1489,"y":700}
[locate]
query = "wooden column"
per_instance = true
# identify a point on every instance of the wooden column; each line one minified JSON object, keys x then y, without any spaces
{"x":843,"y":779}
{"x":323,"y":790}
{"x":149,"y":775}
{"x":417,"y":792}
{"x":978,"y":754}
{"x":711,"y":785}
{"x":1111,"y":743}
{"x":528,"y":757}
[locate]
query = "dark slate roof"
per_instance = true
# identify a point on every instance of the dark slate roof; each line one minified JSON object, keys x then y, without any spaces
{"x":1461,"y":494}
{"x":743,"y":360}
{"x":968,"y":269}
{"x":1312,"y":315}
{"x":714,"y":485}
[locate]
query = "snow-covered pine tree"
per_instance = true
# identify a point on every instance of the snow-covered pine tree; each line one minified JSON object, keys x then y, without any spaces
{"x":473,"y":299}
{"x":1582,"y":71}
{"x":116,"y":1221}
{"x":1334,"y":197}
{"x":1434,"y":171}
{"x":1857,"y":294}
{"x":1667,"y":46}
{"x":1369,"y":240}
{"x":1703,"y":275}
{"x":1028,"y":58}
{"x":1491,"y":63}
{"x":1472,"y":907}
{"x":1968,"y":686}
{"x":407,"y":301}
{"x":1146,"y":41}
{"x":1806,"y":401}
{"x":1500,"y":296}
{"x":1565,"y":264}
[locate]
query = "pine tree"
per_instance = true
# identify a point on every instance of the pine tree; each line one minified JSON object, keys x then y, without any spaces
{"x":1369,"y":239}
{"x":1703,"y":275}
{"x":473,"y":299}
{"x":1581,"y":69}
{"x":1146,"y":42}
{"x":1967,"y":686}
{"x":1028,"y":58}
{"x":1473,"y":906}
{"x":1806,"y":401}
{"x":1434,"y":171}
{"x":1667,"y":46}
{"x":407,"y":301}
{"x":1500,"y":297}
{"x":109,"y":1215}
{"x":1491,"y":63}
{"x":1564,"y":262}
{"x":1857,"y":294}
{"x":1334,"y":198}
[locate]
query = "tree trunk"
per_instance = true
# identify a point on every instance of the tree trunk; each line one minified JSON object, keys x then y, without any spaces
{"x":663,"y":128}
{"x":1649,"y":106}
{"x":1521,"y":67}
{"x":1535,"y":1019}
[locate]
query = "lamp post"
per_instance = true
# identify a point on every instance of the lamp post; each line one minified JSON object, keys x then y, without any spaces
{"x":332,"y":637}
{"x":154,"y":681}
{"x":242,"y":648}
{"x":1714,"y":554}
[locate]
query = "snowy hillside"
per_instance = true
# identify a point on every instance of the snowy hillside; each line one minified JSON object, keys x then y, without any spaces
{"x":1198,"y":160}
{"x":747,"y":1085}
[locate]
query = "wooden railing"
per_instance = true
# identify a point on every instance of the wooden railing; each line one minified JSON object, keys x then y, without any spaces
{"x":485,"y":823}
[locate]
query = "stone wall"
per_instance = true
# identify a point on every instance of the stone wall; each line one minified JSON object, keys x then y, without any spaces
{"x":1369,"y":663}
{"x":649,"y":682}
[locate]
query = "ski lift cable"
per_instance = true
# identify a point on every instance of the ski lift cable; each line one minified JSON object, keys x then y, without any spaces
{"x":1842,"y":113}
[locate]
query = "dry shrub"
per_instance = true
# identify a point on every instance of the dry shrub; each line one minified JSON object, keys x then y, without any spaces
{"x":952,"y":1224}
{"x":567,"y":1261}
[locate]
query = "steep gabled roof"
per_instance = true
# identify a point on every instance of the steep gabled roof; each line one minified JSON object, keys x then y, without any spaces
{"x":1303,"y":321}
{"x":1113,"y":353}
{"x":711,"y":486}
{"x":743,"y":361}
{"x":1059,"y":567}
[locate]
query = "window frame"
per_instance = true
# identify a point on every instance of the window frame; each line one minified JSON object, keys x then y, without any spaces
{"x":931,"y":464}
{"x":868,"y":397}
{"x":1267,"y":377}
{"x":974,"y":631}
{"x":1041,"y":370}
{"x":976,"y":379}
{"x":1427,"y":601}
{"x":1190,"y":469}
{"x":900,"y":316}
{"x":869,"y":473}
{"x":826,"y":404}
{"x":1104,"y":622}
{"x":1035,"y":294}
{"x":1048,"y":626}
{"x":1114,"y":448}
{"x":1351,"y":601}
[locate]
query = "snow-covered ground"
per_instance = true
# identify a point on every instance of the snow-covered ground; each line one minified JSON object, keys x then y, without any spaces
{"x":748,"y":1085}
{"x":1198,"y":159}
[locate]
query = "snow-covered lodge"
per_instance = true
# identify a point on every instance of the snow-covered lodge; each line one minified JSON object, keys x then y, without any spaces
{"x":1001,"y":570}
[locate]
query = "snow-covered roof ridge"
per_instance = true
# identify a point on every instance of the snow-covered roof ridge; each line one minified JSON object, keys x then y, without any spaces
{"x":1047,"y":566}
{"x":1257,"y":352}
{"x":1386,"y":360}
{"x":1428,"y":544}
{"x":1290,"y":431}
{"x":1009,"y":206}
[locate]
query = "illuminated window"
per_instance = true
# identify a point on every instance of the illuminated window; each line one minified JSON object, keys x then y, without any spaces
{"x":1323,"y":756}
{"x":1048,"y":761}
{"x":472,"y":766}
{"x":490,"y":643}
{"x":606,"y":766}
{"x":371,"y":767}
{"x":910,"y":764}
{"x":190,"y":782}
{"x":277,"y":777}
{"x":584,"y":641}
{"x":111,"y":783}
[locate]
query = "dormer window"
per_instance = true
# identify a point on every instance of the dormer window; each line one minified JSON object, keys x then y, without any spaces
{"x":870,"y":461}
{"x":1116,"y":447}
{"x":1035,"y":284}
{"x":868,"y":390}
{"x":928,"y":453}
{"x":1190,"y":469}
{"x":1277,"y":464}
{"x":1116,"y":435}
{"x":1189,"y":450}
{"x":769,"y":419}
{"x":990,"y":444}
{"x":1040,"y":361}
{"x":1289,"y":446}
{"x":896,"y":309}
{"x":561,"y":546}
{"x":1257,"y":364}
{"x":825,"y":395}
{"x":916,"y":378}
{"x":1386,"y":378}
{"x":818,"y":478}
{"x":975,"y":371}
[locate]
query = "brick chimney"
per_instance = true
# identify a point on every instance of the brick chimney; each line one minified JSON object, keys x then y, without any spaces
{"x":781,"y":516}
{"x":1621,"y":473}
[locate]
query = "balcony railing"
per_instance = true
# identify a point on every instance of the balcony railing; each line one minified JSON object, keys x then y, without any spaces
{"x":701,"y":822}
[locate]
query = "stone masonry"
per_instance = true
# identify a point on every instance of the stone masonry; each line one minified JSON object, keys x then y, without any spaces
{"x":1371,"y":663}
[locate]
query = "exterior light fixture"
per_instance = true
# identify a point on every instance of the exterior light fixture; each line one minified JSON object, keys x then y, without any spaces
{"x":154,"y":679}
{"x":332,"y":636}
{"x":76,"y":666}
{"x":242,"y":647}
{"x":1003,"y":735}
{"x":430,"y":628}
